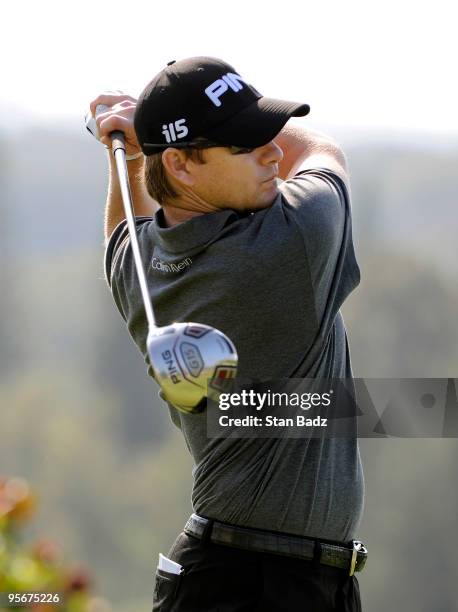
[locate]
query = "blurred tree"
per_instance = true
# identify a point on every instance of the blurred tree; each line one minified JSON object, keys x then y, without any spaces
{"x":402,"y":318}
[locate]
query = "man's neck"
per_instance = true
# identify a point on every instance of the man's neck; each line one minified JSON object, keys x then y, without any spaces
{"x":173,"y":215}
{"x":178,"y":214}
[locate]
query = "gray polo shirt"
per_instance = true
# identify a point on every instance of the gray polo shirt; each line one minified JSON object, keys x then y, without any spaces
{"x":274,"y":282}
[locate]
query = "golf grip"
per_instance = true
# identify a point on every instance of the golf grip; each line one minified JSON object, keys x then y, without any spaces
{"x":117,"y":141}
{"x":119,"y":152}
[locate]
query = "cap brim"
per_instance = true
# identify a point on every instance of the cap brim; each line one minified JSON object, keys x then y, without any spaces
{"x":257,"y":124}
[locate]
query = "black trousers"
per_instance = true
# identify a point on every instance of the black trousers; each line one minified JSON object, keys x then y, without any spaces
{"x":224,"y":579}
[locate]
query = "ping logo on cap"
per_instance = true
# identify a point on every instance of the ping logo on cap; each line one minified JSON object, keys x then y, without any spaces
{"x":175,"y":130}
{"x":218,"y":87}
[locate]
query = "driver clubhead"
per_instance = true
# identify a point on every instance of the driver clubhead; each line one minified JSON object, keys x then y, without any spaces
{"x":191,"y":361}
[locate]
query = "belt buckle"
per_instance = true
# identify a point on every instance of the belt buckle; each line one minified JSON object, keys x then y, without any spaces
{"x":357,"y":547}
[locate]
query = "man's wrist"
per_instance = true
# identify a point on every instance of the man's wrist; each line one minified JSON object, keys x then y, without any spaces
{"x":134,"y":156}
{"x":137,"y":157}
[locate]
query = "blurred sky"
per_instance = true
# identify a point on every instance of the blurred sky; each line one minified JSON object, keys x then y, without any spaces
{"x":358,"y":62}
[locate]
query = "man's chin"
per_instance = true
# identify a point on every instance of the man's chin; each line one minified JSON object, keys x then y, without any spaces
{"x":264,"y":203}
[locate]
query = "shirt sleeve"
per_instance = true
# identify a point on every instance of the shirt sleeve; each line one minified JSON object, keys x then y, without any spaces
{"x":117,"y":242}
{"x":117,"y":247}
{"x":121,"y":274}
{"x":318,"y":202}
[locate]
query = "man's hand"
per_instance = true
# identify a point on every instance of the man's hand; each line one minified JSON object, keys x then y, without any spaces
{"x":119,"y":116}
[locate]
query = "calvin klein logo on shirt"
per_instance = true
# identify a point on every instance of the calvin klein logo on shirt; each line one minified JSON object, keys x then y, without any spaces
{"x":170,"y":268}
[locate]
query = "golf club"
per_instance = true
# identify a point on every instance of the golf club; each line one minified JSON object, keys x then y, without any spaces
{"x":190,"y":361}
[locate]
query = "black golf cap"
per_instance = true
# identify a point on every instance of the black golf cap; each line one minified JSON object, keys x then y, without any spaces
{"x":204,"y":97}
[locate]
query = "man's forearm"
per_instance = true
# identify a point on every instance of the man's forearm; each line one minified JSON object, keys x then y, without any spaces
{"x":142,"y":202}
{"x":298,"y":143}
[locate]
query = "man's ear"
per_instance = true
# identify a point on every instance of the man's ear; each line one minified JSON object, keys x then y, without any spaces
{"x":177,"y":165}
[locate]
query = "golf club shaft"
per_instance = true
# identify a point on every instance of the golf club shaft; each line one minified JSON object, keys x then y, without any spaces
{"x":119,"y":152}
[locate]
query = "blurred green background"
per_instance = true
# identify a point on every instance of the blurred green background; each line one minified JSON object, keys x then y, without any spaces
{"x":81,"y":422}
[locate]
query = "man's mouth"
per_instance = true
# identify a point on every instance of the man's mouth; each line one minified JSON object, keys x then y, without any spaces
{"x":272,"y":178}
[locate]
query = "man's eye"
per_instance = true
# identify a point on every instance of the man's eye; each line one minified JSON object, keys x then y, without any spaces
{"x":241,"y":150}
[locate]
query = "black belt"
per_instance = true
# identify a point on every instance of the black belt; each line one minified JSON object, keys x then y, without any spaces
{"x":351,"y":558}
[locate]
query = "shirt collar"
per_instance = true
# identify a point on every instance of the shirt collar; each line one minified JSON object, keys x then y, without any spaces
{"x":194,"y":233}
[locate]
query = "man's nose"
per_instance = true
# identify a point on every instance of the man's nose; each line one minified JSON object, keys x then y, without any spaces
{"x":272,"y":153}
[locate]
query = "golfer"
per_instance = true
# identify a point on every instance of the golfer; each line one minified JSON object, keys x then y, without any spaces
{"x":244,"y":224}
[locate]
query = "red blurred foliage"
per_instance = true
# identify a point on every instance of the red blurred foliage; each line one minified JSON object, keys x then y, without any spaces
{"x":17,"y":503}
{"x":78,"y":579}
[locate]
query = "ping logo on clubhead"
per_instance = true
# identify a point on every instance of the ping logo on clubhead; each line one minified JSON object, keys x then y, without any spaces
{"x":171,"y":367}
{"x":216,"y":89}
{"x":174,"y":131}
{"x":192,"y":358}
